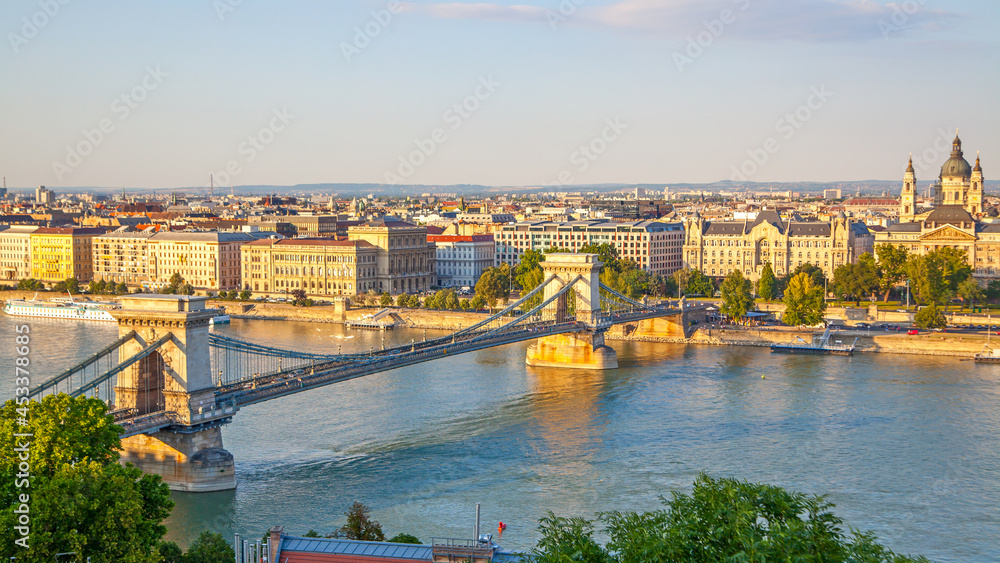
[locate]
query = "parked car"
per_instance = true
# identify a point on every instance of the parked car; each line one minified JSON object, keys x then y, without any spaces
{"x":912,"y":331}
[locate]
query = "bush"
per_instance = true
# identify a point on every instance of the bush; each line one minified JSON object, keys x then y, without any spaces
{"x":930,"y":317}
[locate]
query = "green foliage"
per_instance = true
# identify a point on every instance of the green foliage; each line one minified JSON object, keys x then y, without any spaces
{"x":930,"y":317}
{"x":936,"y":276}
{"x":31,"y":284}
{"x":359,"y":525}
{"x":245,"y":294}
{"x":736,"y":296}
{"x":71,"y":285}
{"x":767,"y":285}
{"x":81,"y":499}
{"x":891,"y":267}
{"x":413,"y":302}
{"x":210,"y":547}
{"x":731,"y":520}
{"x":804,"y":303}
{"x":402,"y":300}
{"x":699,"y":284}
{"x":856,"y":281}
{"x":568,"y":540}
{"x":299,"y":298}
{"x":814,"y":272}
{"x":970,"y":292}
{"x":170,"y":552}
{"x":385,"y":300}
{"x":404,"y":538}
{"x":311,"y":534}
{"x":494,"y":284}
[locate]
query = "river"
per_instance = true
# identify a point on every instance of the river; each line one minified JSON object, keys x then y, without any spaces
{"x":906,"y":446}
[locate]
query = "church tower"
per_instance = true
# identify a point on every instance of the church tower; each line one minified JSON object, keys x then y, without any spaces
{"x":975,"y":206}
{"x":908,"y":201}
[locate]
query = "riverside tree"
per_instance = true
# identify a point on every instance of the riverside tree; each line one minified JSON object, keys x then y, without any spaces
{"x":890,"y":267}
{"x":804,"y":302}
{"x":359,"y":525}
{"x":930,"y":317}
{"x":856,"y":281}
{"x":81,"y":499}
{"x":736,"y":296}
{"x":721,"y":520}
{"x":767,"y":284}
{"x":936,"y":276}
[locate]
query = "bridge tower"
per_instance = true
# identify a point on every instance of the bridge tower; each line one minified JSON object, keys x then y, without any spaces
{"x":584,"y":349}
{"x":175,"y":380}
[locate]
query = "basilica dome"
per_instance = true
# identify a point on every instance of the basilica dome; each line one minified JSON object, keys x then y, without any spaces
{"x":956,"y":166}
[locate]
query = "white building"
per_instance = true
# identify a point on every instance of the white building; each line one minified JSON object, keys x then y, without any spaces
{"x":461,"y":259}
{"x":15,"y":252}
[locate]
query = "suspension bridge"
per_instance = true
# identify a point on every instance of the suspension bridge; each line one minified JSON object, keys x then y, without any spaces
{"x":171,"y":385}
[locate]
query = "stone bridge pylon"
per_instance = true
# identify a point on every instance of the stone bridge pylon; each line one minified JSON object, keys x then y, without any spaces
{"x":584,"y":349}
{"x":174,"y":381}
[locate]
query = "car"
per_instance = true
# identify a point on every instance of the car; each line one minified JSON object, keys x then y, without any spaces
{"x":912,"y":331}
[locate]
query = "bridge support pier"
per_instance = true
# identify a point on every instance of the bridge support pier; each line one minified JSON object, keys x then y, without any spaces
{"x":581,"y":350}
{"x":174,"y":381}
{"x":194,"y":462}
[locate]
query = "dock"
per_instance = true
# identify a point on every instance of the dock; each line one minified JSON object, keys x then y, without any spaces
{"x":386,"y":319}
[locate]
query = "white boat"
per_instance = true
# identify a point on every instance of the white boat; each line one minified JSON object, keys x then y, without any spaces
{"x":60,"y":308}
{"x":220,"y":319}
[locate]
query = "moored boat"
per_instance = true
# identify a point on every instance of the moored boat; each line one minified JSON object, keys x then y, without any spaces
{"x":60,"y":309}
{"x":821,"y":347}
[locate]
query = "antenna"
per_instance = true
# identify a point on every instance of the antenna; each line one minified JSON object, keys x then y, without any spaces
{"x":211,"y":186}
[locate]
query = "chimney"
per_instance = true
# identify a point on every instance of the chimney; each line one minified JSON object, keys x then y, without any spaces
{"x":274,"y":542}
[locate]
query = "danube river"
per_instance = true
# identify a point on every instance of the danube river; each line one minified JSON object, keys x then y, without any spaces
{"x":906,"y":446}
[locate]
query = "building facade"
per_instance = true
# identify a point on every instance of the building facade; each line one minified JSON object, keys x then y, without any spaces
{"x":461,"y":259}
{"x":719,"y":247}
{"x":405,"y":260}
{"x":954,"y":221}
{"x":206,"y":260}
{"x":59,"y":253}
{"x":15,"y":252}
{"x":654,"y":245}
{"x":123,"y":257}
{"x":320,"y":267}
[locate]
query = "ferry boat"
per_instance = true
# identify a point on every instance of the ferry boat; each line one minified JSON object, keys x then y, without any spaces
{"x":60,"y":308}
{"x":220,"y":319}
{"x":821,"y":347}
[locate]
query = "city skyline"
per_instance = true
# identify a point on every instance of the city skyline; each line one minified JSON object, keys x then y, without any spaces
{"x":625,"y":91}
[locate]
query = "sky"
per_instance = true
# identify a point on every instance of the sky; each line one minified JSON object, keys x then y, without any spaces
{"x":154,"y":94}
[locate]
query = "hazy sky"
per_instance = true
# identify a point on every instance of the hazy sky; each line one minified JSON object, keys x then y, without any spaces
{"x":519,"y":93}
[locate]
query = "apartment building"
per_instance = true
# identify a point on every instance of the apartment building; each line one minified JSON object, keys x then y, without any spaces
{"x":15,"y":252}
{"x":207,"y":260}
{"x":461,"y":259}
{"x":59,"y":253}
{"x":655,"y":246}
{"x":123,"y":256}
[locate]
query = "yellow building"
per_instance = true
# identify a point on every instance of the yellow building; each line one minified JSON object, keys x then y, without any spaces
{"x":405,"y":260}
{"x":320,"y":267}
{"x":59,"y":253}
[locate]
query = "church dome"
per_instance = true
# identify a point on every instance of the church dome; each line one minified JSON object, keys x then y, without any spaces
{"x":956,"y":166}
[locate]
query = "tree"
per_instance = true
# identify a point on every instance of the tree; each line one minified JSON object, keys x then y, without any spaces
{"x":804,"y":303}
{"x":767,"y":284}
{"x":568,"y":540}
{"x":311,"y":534}
{"x":970,"y":292}
{"x":404,"y":538}
{"x":359,"y":525}
{"x":930,"y":317}
{"x":682,"y":278}
{"x":170,"y":552}
{"x":732,"y":520}
{"x":815,"y":273}
{"x":402,"y":300}
{"x":187,"y":289}
{"x":700,"y":284}
{"x":606,"y":252}
{"x":121,"y":289}
{"x":856,"y":280}
{"x":494,"y":283}
{"x":71,"y":285}
{"x":413,"y":302}
{"x":529,"y":270}
{"x":209,"y":547}
{"x":736,"y":296}
{"x":30,"y":284}
{"x":82,"y":500}
{"x":245,"y":294}
{"x":936,"y":276}
{"x":890,"y":267}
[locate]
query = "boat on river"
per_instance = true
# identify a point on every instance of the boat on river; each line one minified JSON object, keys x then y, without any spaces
{"x":61,"y":308}
{"x":823,"y":346}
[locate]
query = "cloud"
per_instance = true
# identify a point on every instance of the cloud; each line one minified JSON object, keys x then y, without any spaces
{"x":755,"y":20}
